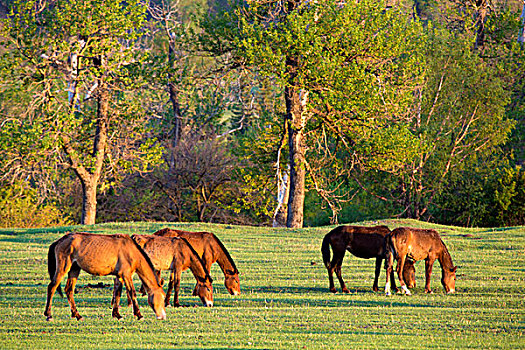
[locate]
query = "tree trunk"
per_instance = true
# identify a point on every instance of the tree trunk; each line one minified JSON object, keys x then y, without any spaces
{"x":90,"y":178}
{"x":177,"y":118}
{"x":521,"y":36}
{"x":89,"y":203}
{"x":482,"y":7}
{"x":296,"y":101}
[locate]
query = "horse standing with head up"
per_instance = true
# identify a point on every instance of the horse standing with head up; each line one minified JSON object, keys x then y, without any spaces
{"x":211,"y":250}
{"x":177,"y":255}
{"x":102,"y":255}
{"x":419,"y":244}
{"x":363,"y":242}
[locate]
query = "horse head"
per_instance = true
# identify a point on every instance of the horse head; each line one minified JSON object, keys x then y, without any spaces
{"x":448,"y":280}
{"x":232,"y":283}
{"x":156,"y":301}
{"x":204,"y":290}
{"x":409,"y":274}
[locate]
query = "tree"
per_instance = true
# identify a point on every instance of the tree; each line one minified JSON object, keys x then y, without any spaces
{"x":76,"y":64}
{"x":346,"y":69}
{"x":460,"y":118}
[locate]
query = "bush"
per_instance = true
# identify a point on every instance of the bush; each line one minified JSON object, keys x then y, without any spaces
{"x":19,"y":207}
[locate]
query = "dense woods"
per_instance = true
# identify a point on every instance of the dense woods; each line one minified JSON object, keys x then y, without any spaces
{"x":284,"y":113}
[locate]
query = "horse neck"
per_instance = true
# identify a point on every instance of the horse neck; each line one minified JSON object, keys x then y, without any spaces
{"x":147,"y":274}
{"x":197,"y":267}
{"x":224,"y":260}
{"x":445,"y":259}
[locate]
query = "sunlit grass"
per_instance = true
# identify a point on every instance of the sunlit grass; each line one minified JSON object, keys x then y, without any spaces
{"x":285,"y":301}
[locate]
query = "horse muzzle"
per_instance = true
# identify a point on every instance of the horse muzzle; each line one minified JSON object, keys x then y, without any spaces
{"x":162,"y":315}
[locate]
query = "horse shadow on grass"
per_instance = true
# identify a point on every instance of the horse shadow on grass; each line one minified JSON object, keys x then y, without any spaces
{"x":265,"y":297}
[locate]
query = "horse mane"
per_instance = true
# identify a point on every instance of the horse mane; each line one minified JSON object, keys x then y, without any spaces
{"x":446,"y":255}
{"x":194,"y":252}
{"x":225,"y":251}
{"x":146,"y":256}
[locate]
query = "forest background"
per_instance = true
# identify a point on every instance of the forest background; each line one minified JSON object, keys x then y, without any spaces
{"x":284,"y":113}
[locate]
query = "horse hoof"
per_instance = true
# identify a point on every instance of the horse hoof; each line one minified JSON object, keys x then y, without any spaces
{"x":80,"y":318}
{"x":49,"y":318}
{"x":346,"y":291}
{"x":405,"y":290}
{"x":333,"y":290}
{"x":429,"y":292}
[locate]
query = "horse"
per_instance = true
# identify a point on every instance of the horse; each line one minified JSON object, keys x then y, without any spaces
{"x":177,"y":255}
{"x":102,"y":255}
{"x":362,"y":242}
{"x":419,"y":244}
{"x":211,"y":250}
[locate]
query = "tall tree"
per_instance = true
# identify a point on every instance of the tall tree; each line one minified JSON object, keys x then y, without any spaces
{"x":78,"y":60}
{"x":346,"y":68}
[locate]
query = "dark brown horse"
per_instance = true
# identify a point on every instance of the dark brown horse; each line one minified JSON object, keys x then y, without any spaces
{"x":418,"y":244}
{"x":363,"y":242}
{"x":177,"y":255}
{"x":102,"y":255}
{"x":211,"y":250}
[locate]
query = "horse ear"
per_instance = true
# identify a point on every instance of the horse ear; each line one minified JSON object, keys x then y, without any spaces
{"x":453,"y":269}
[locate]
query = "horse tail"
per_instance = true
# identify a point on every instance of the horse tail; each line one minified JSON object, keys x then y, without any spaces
{"x":52,"y":264}
{"x":390,"y":247}
{"x":325,"y":250}
{"x":390,"y":250}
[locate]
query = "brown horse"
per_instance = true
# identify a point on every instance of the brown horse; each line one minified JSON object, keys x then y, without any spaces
{"x":363,"y":242}
{"x":419,"y":244}
{"x":102,"y":255}
{"x":211,"y":250}
{"x":176,"y":254}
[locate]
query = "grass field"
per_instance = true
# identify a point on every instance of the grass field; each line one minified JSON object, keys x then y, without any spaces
{"x":285,"y":303}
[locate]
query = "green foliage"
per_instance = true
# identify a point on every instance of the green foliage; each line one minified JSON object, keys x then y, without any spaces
{"x":20,"y":207}
{"x":509,"y":197}
{"x":61,"y":59}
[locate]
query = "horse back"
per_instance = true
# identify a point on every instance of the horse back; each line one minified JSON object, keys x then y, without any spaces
{"x":198,"y":240}
{"x":363,"y":242}
{"x":162,"y":251}
{"x":418,"y":244}
{"x":97,"y":254}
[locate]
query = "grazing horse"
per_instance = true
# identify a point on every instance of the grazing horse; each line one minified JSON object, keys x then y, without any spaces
{"x":176,"y":254}
{"x":419,"y":244}
{"x":363,"y":242}
{"x":102,"y":255}
{"x":211,"y":250}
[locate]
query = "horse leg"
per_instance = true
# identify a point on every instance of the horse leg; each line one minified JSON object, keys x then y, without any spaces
{"x":63,"y":266}
{"x":174,"y":284}
{"x":428,"y":272}
{"x":399,"y":270}
{"x":115,"y":301}
{"x":131,"y":293}
{"x":70,"y":290}
{"x":142,"y":291}
{"x":389,"y":263}
{"x":331,"y":278}
{"x":337,"y":261}
{"x":393,"y":279}
{"x":377,"y":272}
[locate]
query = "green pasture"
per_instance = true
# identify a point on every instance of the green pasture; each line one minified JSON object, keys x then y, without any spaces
{"x":285,"y":303}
